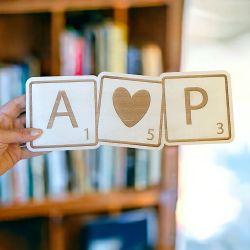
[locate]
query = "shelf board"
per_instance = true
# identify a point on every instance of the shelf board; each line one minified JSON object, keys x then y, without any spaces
{"x":36,"y":6}
{"x":88,"y":203}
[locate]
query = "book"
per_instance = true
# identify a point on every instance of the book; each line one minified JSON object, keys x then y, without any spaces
{"x":79,"y":55}
{"x":78,"y":165}
{"x":38,"y":174}
{"x":130,"y":167}
{"x":151,"y":60}
{"x":100,"y":48}
{"x":116,"y":47}
{"x":120,"y":157}
{"x":141,"y":168}
{"x":68,"y":52}
{"x":134,"y":61}
{"x":57,"y":173}
{"x":6,"y":88}
{"x":92,"y":166}
{"x":89,"y":52}
{"x":133,"y":230}
{"x":154,"y":167}
{"x":6,"y":182}
{"x":105,"y":168}
{"x":20,"y":182}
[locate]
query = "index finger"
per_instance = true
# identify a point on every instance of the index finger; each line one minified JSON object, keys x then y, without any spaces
{"x":14,"y":108}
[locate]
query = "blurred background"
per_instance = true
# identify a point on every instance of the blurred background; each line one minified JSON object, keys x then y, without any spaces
{"x":214,"y":202}
{"x":186,"y":198}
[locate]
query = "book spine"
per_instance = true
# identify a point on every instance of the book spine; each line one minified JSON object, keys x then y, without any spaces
{"x":106,"y":168}
{"x":120,"y":168}
{"x":141,"y":168}
{"x":38,"y":171}
{"x":154,"y":171}
{"x":57,"y":173}
{"x":79,"y":49}
{"x":21,"y":181}
{"x":130,"y":167}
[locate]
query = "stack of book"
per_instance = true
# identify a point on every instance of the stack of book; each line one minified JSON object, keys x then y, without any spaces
{"x":90,"y":50}
{"x":14,"y":184}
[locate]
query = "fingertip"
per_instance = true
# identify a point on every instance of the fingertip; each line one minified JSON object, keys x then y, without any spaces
{"x":34,"y":132}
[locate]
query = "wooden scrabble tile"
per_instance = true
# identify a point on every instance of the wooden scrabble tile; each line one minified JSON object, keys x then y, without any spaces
{"x":65,"y":108}
{"x":130,"y":110}
{"x":198,"y":108}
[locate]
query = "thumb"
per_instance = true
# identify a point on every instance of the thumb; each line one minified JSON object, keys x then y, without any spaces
{"x":19,"y":135}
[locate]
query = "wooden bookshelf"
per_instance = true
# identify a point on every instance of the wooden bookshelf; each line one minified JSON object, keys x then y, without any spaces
{"x":37,"y":6}
{"x":35,"y":26}
{"x":84,"y":204}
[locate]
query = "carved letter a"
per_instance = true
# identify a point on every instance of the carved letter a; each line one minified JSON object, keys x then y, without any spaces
{"x":62,"y":95}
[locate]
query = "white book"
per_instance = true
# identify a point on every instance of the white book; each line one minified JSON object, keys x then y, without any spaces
{"x":21,"y":181}
{"x":87,"y":182}
{"x":57,"y":173}
{"x":106,"y":168}
{"x":16,"y":80}
{"x":92,"y":166}
{"x":120,"y":157}
{"x":68,"y":52}
{"x":5,"y":85}
{"x":154,"y":174}
{"x":38,"y":171}
{"x":78,"y":168}
{"x":6,"y":183}
{"x":106,"y":244}
{"x":152,"y":60}
{"x":10,"y":83}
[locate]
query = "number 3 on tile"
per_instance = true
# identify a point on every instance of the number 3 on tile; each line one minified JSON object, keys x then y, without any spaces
{"x":220,"y":128}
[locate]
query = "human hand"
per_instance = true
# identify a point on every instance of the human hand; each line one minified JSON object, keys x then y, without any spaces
{"x":13,"y":134}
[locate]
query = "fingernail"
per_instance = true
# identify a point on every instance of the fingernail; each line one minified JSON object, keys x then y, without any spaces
{"x":35,"y":132}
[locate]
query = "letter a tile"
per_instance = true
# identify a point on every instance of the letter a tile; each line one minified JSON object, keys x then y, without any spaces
{"x":65,"y":109}
{"x":198,"y":107}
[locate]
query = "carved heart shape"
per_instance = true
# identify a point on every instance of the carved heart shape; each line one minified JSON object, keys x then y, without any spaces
{"x":131,"y":109}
